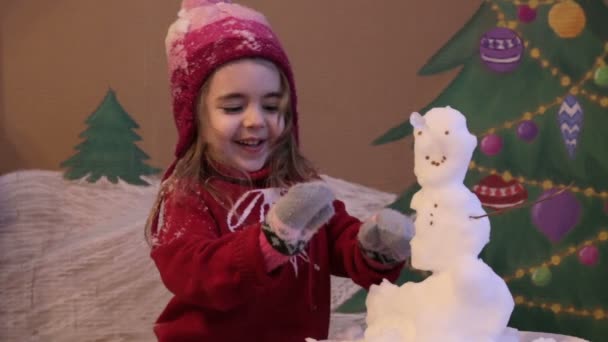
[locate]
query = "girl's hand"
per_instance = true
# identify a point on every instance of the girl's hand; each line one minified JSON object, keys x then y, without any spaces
{"x":386,"y":236}
{"x":298,"y":215}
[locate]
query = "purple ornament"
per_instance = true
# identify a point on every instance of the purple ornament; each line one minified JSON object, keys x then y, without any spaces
{"x":570,"y":119}
{"x":501,"y":49}
{"x":555,"y":217}
{"x":527,"y":130}
{"x":526,"y":13}
{"x":491,"y":144}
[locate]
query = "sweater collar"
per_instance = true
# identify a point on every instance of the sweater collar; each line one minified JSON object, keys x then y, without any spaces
{"x":231,"y":175}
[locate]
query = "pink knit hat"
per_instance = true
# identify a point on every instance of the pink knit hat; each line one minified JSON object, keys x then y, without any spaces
{"x":206,"y":35}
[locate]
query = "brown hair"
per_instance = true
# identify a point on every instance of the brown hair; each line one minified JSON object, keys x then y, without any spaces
{"x":287,"y":165}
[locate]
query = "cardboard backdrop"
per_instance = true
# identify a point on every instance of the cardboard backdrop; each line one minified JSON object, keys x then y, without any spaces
{"x":356,"y":66}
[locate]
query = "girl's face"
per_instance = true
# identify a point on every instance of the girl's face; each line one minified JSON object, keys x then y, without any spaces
{"x":242,"y":118}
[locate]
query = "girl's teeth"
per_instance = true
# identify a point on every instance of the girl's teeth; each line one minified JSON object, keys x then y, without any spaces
{"x":250,"y":143}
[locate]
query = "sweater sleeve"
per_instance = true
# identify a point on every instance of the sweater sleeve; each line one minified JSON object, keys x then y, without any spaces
{"x":347,"y":259}
{"x":201,"y":267}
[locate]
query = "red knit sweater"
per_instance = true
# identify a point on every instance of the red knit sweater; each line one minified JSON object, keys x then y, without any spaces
{"x":210,"y":259}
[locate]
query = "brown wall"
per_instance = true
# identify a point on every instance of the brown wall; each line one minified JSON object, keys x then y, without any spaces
{"x":355,"y":63}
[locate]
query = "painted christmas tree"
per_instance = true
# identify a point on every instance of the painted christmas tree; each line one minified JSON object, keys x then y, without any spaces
{"x":534,"y":86}
{"x":109,"y":149}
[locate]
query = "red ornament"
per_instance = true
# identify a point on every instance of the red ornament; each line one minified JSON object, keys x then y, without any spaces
{"x":494,"y":192}
{"x":589,"y":255}
{"x":491,"y":144}
{"x":526,"y":13}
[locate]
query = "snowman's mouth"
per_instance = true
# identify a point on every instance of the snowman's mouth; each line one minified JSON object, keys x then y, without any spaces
{"x":434,"y":162}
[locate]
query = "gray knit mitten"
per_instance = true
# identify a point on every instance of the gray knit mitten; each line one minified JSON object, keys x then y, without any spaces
{"x":386,"y":236}
{"x":297,"y":216}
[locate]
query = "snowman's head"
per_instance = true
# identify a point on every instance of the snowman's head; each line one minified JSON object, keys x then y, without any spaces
{"x":446,"y":237}
{"x":443,"y":146}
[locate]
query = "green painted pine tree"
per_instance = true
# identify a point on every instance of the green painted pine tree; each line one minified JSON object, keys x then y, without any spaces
{"x":109,"y":148}
{"x":543,"y":126}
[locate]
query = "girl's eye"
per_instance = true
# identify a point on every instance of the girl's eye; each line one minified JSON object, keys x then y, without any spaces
{"x":271,"y":109}
{"x":232,"y":110}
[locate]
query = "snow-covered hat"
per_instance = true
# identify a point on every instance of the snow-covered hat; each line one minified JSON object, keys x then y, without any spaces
{"x":206,"y":35}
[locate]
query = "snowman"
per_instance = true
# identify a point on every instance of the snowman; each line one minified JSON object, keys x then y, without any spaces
{"x":463,"y":300}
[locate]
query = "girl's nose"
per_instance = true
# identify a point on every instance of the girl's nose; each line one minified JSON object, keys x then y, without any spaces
{"x":254,"y":117}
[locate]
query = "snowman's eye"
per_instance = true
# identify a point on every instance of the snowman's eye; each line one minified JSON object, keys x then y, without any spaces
{"x":419,"y":133}
{"x":447,"y":132}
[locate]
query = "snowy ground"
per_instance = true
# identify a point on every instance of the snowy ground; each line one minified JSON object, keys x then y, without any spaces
{"x":74,"y":265}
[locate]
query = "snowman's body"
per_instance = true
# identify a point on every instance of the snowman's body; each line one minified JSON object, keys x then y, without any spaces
{"x":463,"y":300}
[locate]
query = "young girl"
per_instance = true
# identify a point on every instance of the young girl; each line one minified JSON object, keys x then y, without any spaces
{"x":244,"y":232}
